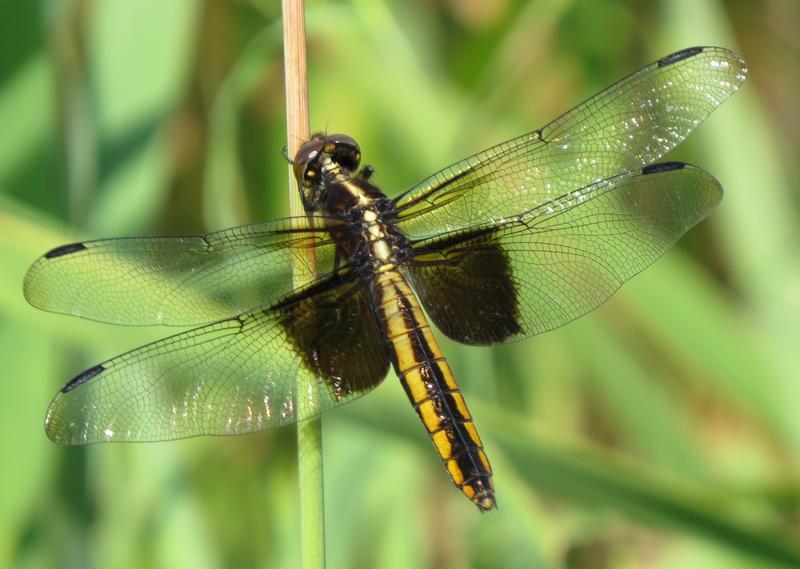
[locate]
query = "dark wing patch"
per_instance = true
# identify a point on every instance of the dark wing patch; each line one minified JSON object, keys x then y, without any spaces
{"x":339,"y":338}
{"x":550,"y":265}
{"x":468,"y":289}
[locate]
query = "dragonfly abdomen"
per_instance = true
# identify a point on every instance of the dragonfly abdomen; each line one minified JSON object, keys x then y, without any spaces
{"x":432,"y":389}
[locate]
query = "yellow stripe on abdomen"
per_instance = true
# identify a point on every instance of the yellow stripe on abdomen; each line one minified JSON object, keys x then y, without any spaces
{"x":432,"y":389}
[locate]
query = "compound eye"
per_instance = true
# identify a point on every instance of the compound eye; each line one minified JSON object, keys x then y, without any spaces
{"x":306,"y":160}
{"x":348,"y":157}
{"x":343,"y":150}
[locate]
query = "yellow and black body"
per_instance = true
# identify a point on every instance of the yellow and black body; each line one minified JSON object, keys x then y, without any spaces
{"x":363,"y":220}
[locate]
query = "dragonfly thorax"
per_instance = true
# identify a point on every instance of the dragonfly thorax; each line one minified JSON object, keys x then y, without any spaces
{"x":348,"y":196}
{"x":371,"y":238}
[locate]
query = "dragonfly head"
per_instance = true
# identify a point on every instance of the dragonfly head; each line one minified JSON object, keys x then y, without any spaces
{"x":319,"y":161}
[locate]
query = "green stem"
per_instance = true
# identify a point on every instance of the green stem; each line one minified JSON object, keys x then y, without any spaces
{"x":312,"y":507}
{"x":309,"y":432}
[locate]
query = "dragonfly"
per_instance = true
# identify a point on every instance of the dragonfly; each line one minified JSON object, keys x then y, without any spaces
{"x":510,"y":242}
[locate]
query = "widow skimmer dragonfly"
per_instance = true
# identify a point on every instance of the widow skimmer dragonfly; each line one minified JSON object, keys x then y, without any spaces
{"x":505,"y":244}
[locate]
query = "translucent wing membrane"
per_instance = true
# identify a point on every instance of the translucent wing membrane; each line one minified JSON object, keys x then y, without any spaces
{"x":550,"y":265}
{"x":176,"y":280}
{"x":516,"y":240}
{"x":629,"y":125}
{"x":235,"y":376}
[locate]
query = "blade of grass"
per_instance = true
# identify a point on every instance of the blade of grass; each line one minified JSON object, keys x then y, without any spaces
{"x":224,"y":196}
{"x":587,"y":474}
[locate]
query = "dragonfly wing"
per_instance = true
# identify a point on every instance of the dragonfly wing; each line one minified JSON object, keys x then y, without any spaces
{"x":177,"y":280}
{"x":625,"y":127}
{"x":548,"y":266}
{"x":319,"y":348}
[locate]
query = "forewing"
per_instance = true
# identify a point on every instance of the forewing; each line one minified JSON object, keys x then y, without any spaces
{"x":550,"y":265}
{"x":188,"y":281}
{"x":316,"y":350}
{"x":625,"y":127}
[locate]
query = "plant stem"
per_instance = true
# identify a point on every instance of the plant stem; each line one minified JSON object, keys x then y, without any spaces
{"x":309,"y":432}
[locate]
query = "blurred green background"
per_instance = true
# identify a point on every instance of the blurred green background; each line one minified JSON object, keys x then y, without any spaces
{"x":660,"y":431}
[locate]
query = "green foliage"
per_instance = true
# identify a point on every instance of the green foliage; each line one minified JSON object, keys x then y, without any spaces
{"x":660,"y":431}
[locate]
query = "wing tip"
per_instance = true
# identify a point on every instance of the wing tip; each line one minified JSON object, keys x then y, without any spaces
{"x":733,"y":58}
{"x":672,"y":166}
{"x":38,"y":271}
